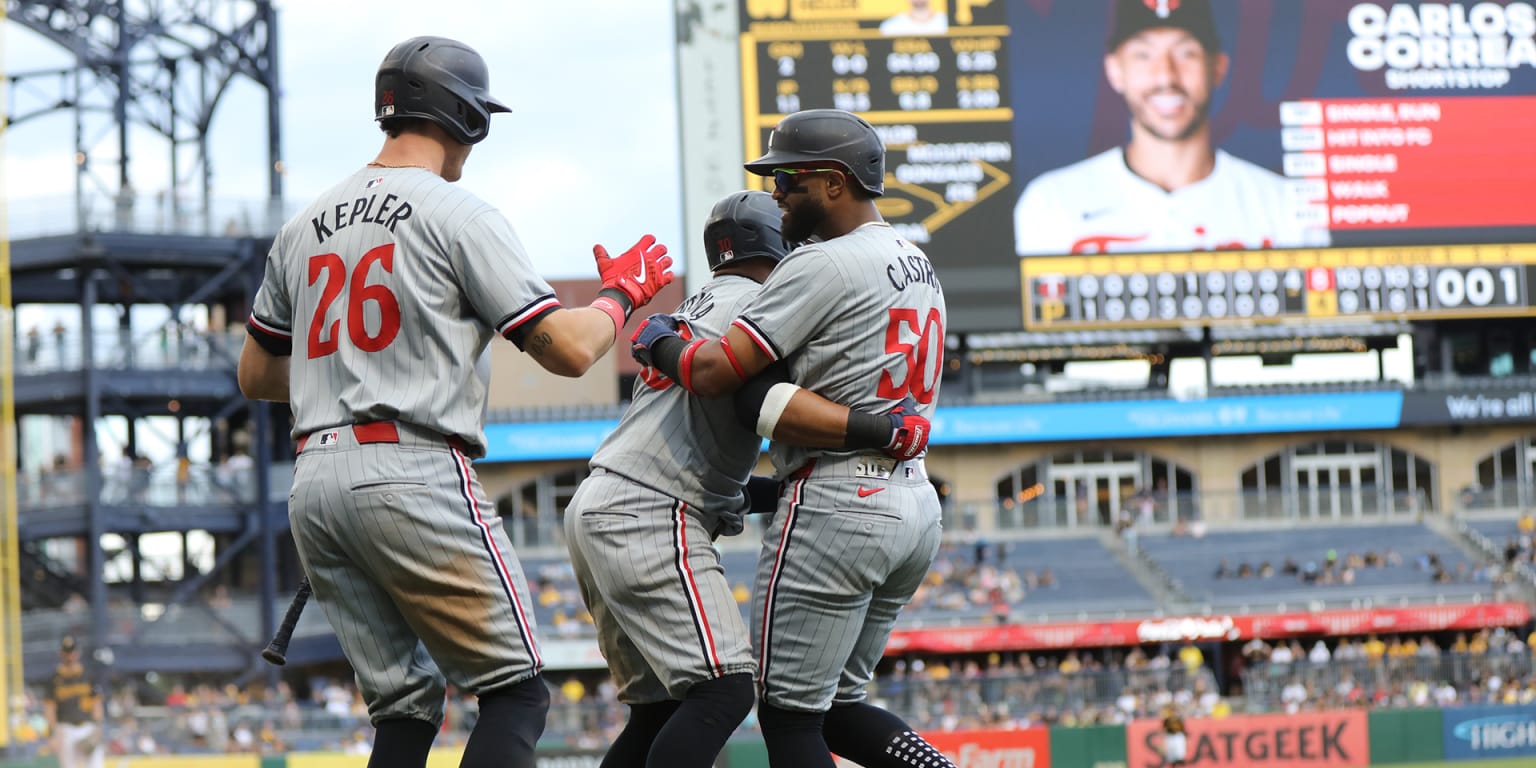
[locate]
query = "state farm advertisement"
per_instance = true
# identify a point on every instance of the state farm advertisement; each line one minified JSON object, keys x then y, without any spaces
{"x":1302,"y":740}
{"x":1028,"y":748}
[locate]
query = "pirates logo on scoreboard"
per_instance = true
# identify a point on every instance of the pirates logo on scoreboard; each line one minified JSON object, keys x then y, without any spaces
{"x":1050,"y":298}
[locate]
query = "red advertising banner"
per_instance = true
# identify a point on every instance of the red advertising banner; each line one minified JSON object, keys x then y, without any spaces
{"x":1415,"y":163}
{"x":1429,"y":618}
{"x":1027,"y":748}
{"x":1302,"y":740}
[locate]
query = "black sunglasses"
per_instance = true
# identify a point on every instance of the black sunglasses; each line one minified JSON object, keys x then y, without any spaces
{"x":783,"y":178}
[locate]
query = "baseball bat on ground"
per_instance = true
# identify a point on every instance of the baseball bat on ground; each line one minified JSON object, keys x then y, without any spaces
{"x":276,"y":652}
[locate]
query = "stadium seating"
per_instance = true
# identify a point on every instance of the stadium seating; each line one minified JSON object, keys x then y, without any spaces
{"x":1407,"y":573}
{"x":1059,"y":577}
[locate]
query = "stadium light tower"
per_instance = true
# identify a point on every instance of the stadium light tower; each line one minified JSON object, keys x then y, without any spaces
{"x":157,"y":66}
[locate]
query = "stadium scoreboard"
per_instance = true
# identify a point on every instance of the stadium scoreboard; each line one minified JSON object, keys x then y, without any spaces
{"x":938,"y":98}
{"x":1399,"y":135}
{"x":1160,"y":290}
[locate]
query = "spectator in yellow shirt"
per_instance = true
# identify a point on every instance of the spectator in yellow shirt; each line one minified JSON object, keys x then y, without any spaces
{"x":1191,"y":657}
{"x":1070,"y":665}
{"x":1479,"y":644}
{"x":1374,"y":648}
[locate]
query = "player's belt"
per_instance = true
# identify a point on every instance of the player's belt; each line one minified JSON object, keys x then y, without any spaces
{"x":877,"y":467}
{"x":372,"y":432}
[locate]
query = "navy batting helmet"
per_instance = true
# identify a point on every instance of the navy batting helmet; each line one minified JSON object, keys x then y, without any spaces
{"x":438,"y":79}
{"x":827,"y":135}
{"x":743,"y":225}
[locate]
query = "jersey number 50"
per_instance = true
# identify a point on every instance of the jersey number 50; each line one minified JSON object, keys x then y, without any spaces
{"x":922,"y":344}
{"x":359,"y":292}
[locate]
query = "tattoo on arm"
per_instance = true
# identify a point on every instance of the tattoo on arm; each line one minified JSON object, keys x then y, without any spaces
{"x":539,"y":343}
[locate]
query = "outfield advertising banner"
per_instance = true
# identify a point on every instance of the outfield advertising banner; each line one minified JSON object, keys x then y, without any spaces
{"x":1047,"y":422}
{"x":1479,"y":732}
{"x":1027,"y":748}
{"x":1301,"y":740}
{"x":1493,"y":405}
{"x":1267,"y":626}
{"x":1038,"y":422}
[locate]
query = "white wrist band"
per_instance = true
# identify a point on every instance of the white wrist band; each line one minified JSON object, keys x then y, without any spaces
{"x":774,"y":404}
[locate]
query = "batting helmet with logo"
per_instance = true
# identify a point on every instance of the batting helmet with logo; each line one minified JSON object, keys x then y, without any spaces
{"x":827,"y":135}
{"x":743,"y":225}
{"x":437,"y":79}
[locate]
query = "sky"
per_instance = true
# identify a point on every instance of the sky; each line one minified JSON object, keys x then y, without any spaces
{"x":588,"y":155}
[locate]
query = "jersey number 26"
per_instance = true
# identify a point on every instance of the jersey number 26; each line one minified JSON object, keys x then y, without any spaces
{"x":359,"y":292}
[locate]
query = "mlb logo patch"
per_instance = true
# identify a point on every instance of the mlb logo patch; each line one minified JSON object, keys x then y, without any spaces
{"x":332,"y":437}
{"x":374,"y":183}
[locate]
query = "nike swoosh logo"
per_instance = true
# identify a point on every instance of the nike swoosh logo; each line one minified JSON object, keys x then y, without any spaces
{"x":641,"y":279}
{"x":866,"y":492}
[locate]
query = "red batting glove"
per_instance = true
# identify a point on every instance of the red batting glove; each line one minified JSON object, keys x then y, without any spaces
{"x":909,"y":431}
{"x":639,"y":273}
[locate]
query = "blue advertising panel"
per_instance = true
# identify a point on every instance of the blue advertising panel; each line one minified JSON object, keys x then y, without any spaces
{"x":1477,"y":732}
{"x":1048,"y":422}
{"x":1044,"y":422}
{"x":545,"y":440}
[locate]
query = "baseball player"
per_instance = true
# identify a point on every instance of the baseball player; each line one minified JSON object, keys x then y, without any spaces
{"x":669,"y":479}
{"x":859,"y":316}
{"x":1168,"y":189}
{"x":74,"y":712}
{"x":1175,"y":747}
{"x":377,"y":303}
{"x":921,"y":18}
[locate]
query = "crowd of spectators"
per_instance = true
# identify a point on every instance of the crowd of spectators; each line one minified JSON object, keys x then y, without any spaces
{"x":208,"y":718}
{"x":1520,"y":548}
{"x":1331,"y":568}
{"x":966,"y":577}
{"x":969,"y":577}
{"x":941,"y":693}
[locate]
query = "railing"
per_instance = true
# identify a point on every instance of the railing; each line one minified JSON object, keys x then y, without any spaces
{"x":278,"y":728}
{"x":163,"y":486}
{"x":1265,"y":684}
{"x":1497,"y":498}
{"x":226,"y":621}
{"x":149,"y":215}
{"x":170,"y":347}
{"x":1167,"y":511}
{"x":1493,"y":551}
{"x":1020,"y":691}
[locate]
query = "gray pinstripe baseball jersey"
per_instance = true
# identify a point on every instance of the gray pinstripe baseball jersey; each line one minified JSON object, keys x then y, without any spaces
{"x":639,"y":529}
{"x":689,"y":448}
{"x":861,"y":319}
{"x":390,"y":286}
{"x":387,"y":290}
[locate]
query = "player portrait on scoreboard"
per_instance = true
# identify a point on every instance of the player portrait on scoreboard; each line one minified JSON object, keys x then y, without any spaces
{"x":1168,"y":187}
{"x":923,"y":17}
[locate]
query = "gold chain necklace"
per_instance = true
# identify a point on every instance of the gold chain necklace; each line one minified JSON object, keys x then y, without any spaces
{"x":386,"y":165}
